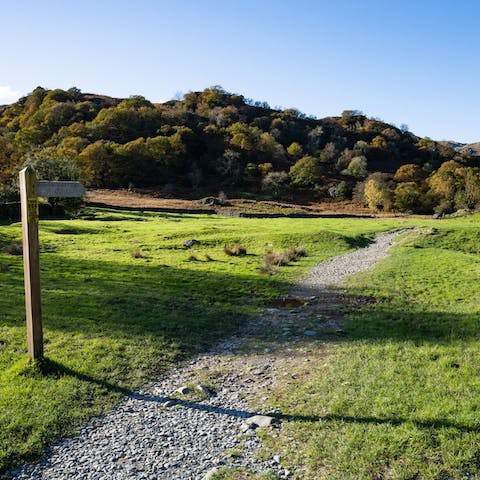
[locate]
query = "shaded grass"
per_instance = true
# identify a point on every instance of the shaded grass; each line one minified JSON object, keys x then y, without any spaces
{"x":112,"y":322}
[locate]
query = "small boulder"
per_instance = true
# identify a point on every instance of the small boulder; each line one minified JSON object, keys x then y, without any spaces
{"x":262,"y":421}
{"x":210,"y":473}
{"x":183,"y":390}
{"x":190,"y":243}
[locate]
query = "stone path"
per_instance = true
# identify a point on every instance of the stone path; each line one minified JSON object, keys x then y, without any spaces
{"x":159,"y":433}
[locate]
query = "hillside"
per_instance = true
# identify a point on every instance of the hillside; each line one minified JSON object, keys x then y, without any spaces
{"x":470,"y":149}
{"x":213,"y":141}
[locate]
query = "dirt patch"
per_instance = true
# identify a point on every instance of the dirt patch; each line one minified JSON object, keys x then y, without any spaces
{"x":146,"y":200}
{"x":287,"y":302}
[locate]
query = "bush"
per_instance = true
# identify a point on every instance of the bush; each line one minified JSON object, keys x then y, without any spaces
{"x":235,"y":251}
{"x":294,"y":253}
{"x":277,"y":259}
{"x":273,"y":260}
{"x":340,"y":191}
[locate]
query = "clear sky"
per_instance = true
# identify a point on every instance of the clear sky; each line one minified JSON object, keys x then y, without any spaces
{"x":412,"y":61}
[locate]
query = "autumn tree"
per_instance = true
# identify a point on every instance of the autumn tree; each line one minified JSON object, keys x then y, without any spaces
{"x":378,"y":192}
{"x":409,"y":173}
{"x":408,"y":197}
{"x":295,"y":150}
{"x":379,"y":143}
{"x":447,"y":180}
{"x":97,"y":164}
{"x":357,"y":167}
{"x":306,"y":172}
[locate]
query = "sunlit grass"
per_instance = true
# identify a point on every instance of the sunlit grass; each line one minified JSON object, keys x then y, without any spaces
{"x":114,"y":319}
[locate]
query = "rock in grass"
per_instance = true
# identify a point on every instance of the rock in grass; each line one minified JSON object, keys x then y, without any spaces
{"x":183,"y":390}
{"x":310,"y":333}
{"x":262,"y":421}
{"x":190,"y":243}
{"x":210,"y":473}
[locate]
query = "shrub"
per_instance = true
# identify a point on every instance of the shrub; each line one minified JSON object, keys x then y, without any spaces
{"x":340,"y":191}
{"x":236,"y":251}
{"x":294,"y":253}
{"x":273,"y":260}
{"x":267,"y":269}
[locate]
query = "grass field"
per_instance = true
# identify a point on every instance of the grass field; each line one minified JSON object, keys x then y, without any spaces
{"x":399,"y":397}
{"x":123,"y":300}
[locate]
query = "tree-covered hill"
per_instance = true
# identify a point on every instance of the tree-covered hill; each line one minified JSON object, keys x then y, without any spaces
{"x":214,"y":140}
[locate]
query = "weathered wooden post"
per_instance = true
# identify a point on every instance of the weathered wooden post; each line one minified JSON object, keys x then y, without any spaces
{"x":31,"y":262}
{"x":30,"y":190}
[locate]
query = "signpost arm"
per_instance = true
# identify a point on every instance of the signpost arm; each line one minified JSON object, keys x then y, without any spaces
{"x":31,"y":262}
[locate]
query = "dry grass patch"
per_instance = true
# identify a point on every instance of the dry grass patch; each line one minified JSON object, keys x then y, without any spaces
{"x":236,"y":250}
{"x":273,"y":260}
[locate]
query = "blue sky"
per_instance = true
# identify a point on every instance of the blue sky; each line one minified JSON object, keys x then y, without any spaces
{"x":414,"y":62}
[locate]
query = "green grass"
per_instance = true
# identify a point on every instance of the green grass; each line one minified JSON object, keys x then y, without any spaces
{"x":123,"y":301}
{"x":399,"y":397}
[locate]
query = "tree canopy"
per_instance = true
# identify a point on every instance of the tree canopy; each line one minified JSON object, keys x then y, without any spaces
{"x":215,"y":140}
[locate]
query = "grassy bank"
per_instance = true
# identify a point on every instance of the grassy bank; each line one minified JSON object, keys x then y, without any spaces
{"x":123,"y":301}
{"x":398,"y":398}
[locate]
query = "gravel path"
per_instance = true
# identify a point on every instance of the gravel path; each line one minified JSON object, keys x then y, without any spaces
{"x":150,"y":435}
{"x":337,"y":269}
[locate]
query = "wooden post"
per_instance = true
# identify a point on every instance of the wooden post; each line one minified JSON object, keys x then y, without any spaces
{"x":31,"y":262}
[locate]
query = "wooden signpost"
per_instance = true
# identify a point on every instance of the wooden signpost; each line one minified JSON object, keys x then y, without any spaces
{"x":30,"y":190}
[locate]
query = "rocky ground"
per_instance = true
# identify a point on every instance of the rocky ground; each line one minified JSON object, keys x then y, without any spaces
{"x":198,"y":419}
